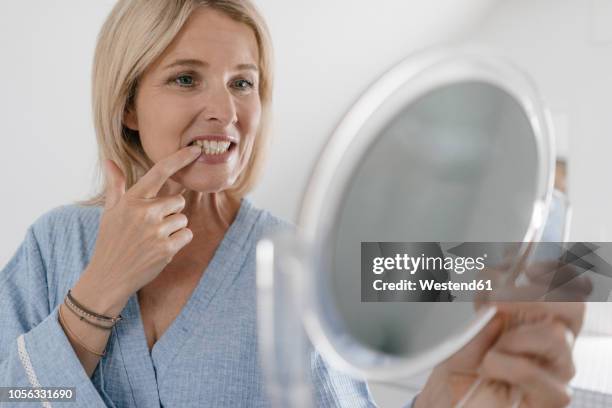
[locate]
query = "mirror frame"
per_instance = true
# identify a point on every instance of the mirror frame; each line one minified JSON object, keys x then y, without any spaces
{"x":397,"y":88}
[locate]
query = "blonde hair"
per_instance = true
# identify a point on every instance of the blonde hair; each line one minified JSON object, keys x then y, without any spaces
{"x":133,"y":36}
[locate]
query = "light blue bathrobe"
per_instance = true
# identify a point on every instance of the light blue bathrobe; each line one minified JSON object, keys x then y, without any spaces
{"x":206,"y":358}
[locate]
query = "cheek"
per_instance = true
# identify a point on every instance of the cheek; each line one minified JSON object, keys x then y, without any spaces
{"x":162,"y":121}
{"x":251,"y":119}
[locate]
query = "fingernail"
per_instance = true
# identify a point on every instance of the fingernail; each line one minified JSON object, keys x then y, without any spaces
{"x":196,"y":149}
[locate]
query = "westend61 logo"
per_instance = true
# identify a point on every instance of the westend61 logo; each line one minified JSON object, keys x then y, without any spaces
{"x":412,"y":264}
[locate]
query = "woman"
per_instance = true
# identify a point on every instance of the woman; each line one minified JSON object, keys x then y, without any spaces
{"x":145,"y":294}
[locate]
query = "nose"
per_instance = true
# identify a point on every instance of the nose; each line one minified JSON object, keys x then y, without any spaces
{"x":220,"y":107}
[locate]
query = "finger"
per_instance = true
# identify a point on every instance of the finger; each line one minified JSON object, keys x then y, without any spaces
{"x":115,"y":184}
{"x":538,"y":268}
{"x":546,"y":271}
{"x":514,"y":261}
{"x":150,"y":184}
{"x":173,"y":223}
{"x":180,"y":238}
{"x":570,"y":313}
{"x":168,"y":205}
{"x":473,"y":352}
{"x":539,"y":387}
{"x":507,"y":252}
{"x":549,"y":342}
{"x":570,"y":293}
{"x":560,"y":275}
{"x":542,"y":289}
{"x":483,"y":297}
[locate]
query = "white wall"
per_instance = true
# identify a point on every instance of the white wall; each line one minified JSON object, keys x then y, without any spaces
{"x":327,"y":52}
{"x":49,"y":148}
{"x":566,"y":46}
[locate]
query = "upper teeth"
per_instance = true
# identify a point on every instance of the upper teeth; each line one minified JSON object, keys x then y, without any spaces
{"x":212,"y":146}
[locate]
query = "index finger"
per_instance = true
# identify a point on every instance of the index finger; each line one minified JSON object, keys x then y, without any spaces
{"x":149,"y":185}
{"x":570,"y":313}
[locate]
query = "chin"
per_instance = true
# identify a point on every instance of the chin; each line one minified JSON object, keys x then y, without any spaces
{"x":210,"y":184}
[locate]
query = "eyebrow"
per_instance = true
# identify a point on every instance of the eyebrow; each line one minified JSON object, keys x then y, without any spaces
{"x":203,"y":64}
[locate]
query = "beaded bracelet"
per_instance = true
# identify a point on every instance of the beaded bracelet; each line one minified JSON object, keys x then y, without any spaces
{"x":83,"y":318}
{"x":83,"y":311}
{"x":76,"y":337}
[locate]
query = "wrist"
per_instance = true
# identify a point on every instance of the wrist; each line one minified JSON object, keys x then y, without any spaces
{"x":99,"y":296}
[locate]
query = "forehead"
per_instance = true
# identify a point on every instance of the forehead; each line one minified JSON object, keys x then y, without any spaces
{"x":210,"y":35}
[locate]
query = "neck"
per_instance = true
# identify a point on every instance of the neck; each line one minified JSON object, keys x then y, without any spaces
{"x":209,"y":214}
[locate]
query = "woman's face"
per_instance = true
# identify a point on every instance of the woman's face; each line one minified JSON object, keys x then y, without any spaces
{"x":204,"y":86}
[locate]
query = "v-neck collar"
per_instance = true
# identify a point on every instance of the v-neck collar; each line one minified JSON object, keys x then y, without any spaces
{"x":145,"y":369}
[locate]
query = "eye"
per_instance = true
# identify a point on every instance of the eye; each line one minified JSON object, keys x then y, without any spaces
{"x":242,"y":84}
{"x":184,"y":80}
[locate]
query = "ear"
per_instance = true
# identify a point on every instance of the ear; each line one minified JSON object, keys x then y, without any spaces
{"x":130,"y":119}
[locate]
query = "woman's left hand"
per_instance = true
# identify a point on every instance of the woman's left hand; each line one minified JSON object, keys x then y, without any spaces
{"x":534,"y":358}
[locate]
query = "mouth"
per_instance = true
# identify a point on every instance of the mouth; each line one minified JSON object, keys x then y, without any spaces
{"x":213,"y":147}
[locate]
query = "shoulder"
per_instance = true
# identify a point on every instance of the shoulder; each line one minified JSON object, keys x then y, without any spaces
{"x":66,"y":220}
{"x":271,"y":221}
{"x":60,"y":241}
{"x":268,"y":223}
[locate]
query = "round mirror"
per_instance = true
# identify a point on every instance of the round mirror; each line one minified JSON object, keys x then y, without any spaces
{"x":449,"y":146}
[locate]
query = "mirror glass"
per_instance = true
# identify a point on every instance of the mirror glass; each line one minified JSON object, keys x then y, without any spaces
{"x":458,"y":163}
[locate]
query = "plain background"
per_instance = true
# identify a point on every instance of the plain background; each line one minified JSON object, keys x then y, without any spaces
{"x":327,"y":53}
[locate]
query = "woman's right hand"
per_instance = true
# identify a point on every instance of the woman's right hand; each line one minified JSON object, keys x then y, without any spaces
{"x":138,"y":236}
